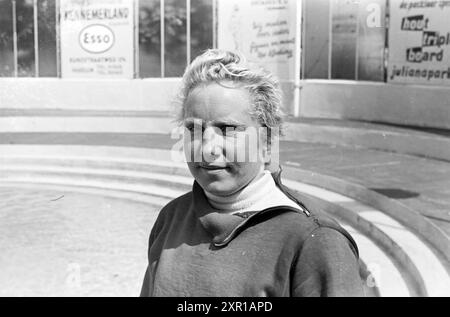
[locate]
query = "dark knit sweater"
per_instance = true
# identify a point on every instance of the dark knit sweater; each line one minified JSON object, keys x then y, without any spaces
{"x":279,"y":251}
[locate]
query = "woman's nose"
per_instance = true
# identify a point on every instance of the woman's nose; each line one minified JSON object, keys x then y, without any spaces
{"x":212,"y":141}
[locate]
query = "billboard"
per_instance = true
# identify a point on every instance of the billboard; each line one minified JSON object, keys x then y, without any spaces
{"x":97,"y":38}
{"x":264,"y":31}
{"x":419,"y":42}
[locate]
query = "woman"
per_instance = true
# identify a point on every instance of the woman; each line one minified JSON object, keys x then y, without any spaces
{"x":240,"y":232}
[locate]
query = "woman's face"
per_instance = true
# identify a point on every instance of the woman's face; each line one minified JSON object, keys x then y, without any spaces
{"x":223,"y":143}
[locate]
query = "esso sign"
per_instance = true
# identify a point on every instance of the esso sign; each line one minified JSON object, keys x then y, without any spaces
{"x":96,"y":38}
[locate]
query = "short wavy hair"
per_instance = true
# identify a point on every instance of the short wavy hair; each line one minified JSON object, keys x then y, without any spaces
{"x":216,"y":65}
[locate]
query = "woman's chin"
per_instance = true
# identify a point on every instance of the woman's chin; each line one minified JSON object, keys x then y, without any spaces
{"x":219,"y":189}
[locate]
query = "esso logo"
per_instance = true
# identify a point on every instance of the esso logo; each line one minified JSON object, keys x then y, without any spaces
{"x":96,"y":38}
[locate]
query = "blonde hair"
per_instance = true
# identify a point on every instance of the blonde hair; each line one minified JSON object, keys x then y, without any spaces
{"x":218,"y":66}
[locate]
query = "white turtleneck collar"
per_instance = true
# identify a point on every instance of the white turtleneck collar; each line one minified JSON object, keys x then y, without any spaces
{"x":259,"y":194}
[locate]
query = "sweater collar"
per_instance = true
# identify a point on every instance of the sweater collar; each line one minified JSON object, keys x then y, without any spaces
{"x":250,"y":195}
{"x":224,"y":227}
{"x":219,"y":225}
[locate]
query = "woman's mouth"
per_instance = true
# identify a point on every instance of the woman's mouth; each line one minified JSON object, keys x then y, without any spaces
{"x":212,"y":167}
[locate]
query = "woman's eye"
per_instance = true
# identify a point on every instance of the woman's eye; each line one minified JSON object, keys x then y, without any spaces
{"x":193,"y":127}
{"x":231,"y":129}
{"x":226,"y":129}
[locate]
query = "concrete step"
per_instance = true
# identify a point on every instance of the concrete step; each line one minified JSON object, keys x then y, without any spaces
{"x":144,"y":182}
{"x":99,"y":165}
{"x":435,"y":237}
{"x":410,"y":254}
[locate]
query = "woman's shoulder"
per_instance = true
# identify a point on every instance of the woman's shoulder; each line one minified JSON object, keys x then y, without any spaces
{"x":171,"y":212}
{"x":302,"y":220}
{"x":308,"y":222}
{"x":175,"y":205}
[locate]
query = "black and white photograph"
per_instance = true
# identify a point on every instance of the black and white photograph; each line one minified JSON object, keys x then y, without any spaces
{"x":224,"y":150}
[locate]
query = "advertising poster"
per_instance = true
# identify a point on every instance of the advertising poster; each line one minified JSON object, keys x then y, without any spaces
{"x":264,"y":31}
{"x":97,"y":38}
{"x":419,"y":42}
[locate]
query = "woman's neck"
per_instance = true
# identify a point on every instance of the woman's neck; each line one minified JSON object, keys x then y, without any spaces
{"x":256,"y":191}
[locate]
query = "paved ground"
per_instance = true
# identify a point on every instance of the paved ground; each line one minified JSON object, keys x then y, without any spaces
{"x":71,"y":244}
